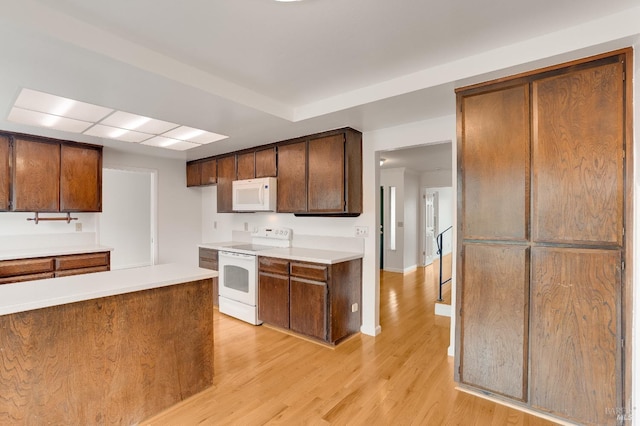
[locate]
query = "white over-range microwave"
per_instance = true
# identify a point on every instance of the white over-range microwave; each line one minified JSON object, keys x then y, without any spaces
{"x":255,"y":195}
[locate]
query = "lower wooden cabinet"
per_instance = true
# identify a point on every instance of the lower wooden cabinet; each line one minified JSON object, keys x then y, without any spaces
{"x":313,"y":299}
{"x":19,"y":270}
{"x":208,"y":259}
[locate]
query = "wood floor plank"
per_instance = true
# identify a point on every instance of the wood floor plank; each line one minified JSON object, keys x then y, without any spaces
{"x":401,"y":377}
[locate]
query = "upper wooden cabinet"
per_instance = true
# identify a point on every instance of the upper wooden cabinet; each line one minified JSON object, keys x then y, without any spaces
{"x":4,"y":173}
{"x":292,"y":178}
{"x":80,"y":178}
{"x":201,"y":173}
{"x":266,"y":162}
{"x":36,"y":175}
{"x":246,"y":163}
{"x":52,"y":176}
{"x":226,"y":175}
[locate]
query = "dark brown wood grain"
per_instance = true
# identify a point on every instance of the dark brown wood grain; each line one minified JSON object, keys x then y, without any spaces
{"x":495,"y":304}
{"x":345,"y":290}
{"x":76,"y":261}
{"x":246,"y":165}
{"x":208,"y":259}
{"x":80,"y":178}
{"x":28,"y":277}
{"x":292,"y":178}
{"x":266,"y":164}
{"x":26,"y":266}
{"x":4,"y":173}
{"x":273,"y":299}
{"x":308,"y":313}
{"x":274,"y":265}
{"x":81,"y":271}
{"x":208,"y":172}
{"x":226,"y":174}
{"x":353,"y":171}
{"x":326,"y":179}
{"x":194,"y":171}
{"x":36,"y":175}
{"x":113,"y":360}
{"x":311,"y":271}
{"x":496,"y":164}
{"x":575,"y":333}
{"x":578,"y":140}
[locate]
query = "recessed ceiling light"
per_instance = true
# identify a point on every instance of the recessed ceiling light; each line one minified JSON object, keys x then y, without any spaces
{"x":57,"y":105}
{"x":40,"y":119}
{"x":125,"y":135}
{"x":41,"y":109}
{"x":169,"y":143}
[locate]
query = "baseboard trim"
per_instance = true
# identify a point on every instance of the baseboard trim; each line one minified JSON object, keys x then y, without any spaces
{"x":443,"y":310}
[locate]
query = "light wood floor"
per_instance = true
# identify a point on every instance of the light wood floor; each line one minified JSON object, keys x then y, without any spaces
{"x":401,"y":377}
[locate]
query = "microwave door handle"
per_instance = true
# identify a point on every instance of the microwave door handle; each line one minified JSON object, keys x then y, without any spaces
{"x":261,"y":195}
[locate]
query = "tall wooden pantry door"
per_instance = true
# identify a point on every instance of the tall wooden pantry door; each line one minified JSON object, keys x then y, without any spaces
{"x":542,"y":167}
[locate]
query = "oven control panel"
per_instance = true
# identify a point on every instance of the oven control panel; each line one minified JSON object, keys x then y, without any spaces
{"x":274,"y":233}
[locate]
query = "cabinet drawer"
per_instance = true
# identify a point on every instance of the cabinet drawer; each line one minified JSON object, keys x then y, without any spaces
{"x":274,"y":265}
{"x":69,"y":272}
{"x":21,"y":278}
{"x":208,"y":264}
{"x":312,"y":271}
{"x":78,"y":261}
{"x":208,"y":258}
{"x":25,"y":266}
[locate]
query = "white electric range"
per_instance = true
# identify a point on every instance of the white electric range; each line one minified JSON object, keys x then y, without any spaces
{"x":238,"y":273}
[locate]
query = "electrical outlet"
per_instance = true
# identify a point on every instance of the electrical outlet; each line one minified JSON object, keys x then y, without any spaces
{"x":362,"y":231}
{"x":78,"y":227}
{"x":354,"y":307}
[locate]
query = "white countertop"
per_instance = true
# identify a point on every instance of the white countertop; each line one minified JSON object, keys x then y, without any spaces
{"x":51,"y":251}
{"x":30,"y":295}
{"x":295,"y":253}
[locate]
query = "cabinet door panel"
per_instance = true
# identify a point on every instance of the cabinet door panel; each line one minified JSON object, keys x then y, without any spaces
{"x":574,"y":332}
{"x":273,"y":299}
{"x":578,"y":156}
{"x":193,"y":174}
{"x":80,"y":179}
{"x":495,"y":164}
{"x":326,"y":174}
{"x":226,"y":175}
{"x":208,"y":172}
{"x":26,"y":266}
{"x":246,"y":166}
{"x":4,"y":173}
{"x":36,"y":176}
{"x":77,"y":261}
{"x":266,"y":163}
{"x":495,"y":306}
{"x":308,"y":308}
{"x":292,"y":178}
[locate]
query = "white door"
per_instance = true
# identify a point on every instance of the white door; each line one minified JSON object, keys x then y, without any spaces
{"x":127,"y":221}
{"x":429,"y":249}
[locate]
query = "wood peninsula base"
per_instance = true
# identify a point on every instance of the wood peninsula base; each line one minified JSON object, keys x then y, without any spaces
{"x":111,"y":360}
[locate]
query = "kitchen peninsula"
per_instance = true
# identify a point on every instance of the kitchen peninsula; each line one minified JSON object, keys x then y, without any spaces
{"x":106,"y":347}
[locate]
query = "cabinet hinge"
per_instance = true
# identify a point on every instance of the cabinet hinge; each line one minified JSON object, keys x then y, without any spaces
{"x":622,"y":343}
{"x":624,"y":76}
{"x":624,"y":154}
{"x":622,"y":265}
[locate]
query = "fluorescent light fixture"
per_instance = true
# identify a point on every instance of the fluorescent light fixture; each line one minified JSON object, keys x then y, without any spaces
{"x":41,"y":109}
{"x":140,"y":123}
{"x":169,"y":143}
{"x":40,"y":119}
{"x":125,"y":135}
{"x":57,"y":105}
{"x":190,"y":134}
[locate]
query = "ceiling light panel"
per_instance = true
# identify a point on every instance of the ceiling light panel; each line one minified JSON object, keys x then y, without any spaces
{"x":190,"y":134}
{"x":57,"y":105}
{"x":170,"y":143}
{"x":40,"y":119}
{"x":110,"y":132}
{"x":126,"y":120}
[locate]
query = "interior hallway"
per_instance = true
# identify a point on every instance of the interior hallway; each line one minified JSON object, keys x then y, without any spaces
{"x":401,"y":377}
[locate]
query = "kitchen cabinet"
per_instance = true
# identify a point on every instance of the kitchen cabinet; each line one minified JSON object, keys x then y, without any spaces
{"x":273,"y":291}
{"x":226,"y":175}
{"x":208,"y":259}
{"x":53,"y":176}
{"x":313,"y":299}
{"x":19,"y":270}
{"x":36,"y":175}
{"x":80,"y":178}
{"x":543,"y":305}
{"x":4,"y":173}
{"x":200,"y":173}
{"x":292,"y":177}
{"x":246,"y":163}
{"x":266,"y":162}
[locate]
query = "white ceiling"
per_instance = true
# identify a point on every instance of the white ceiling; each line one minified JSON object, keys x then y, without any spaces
{"x":262,"y":71}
